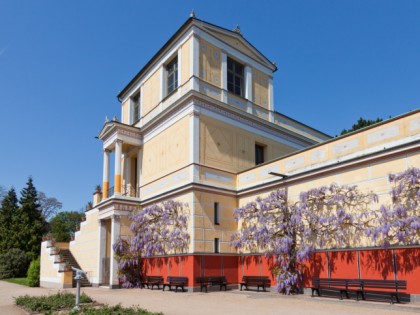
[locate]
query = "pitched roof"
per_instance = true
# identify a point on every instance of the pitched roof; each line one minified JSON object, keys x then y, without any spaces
{"x":231,"y":38}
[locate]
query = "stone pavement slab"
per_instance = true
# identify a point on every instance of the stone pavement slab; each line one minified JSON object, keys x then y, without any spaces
{"x":230,"y":302}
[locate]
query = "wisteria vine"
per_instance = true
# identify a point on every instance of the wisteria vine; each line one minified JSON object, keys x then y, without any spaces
{"x":331,"y":216}
{"x":157,"y":230}
{"x":398,"y":223}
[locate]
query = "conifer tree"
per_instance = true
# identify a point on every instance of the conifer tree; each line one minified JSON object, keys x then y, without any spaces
{"x":31,"y":224}
{"x":8,"y":212}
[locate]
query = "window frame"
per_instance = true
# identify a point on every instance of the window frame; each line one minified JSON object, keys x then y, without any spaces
{"x":259,"y":158}
{"x":231,"y":86}
{"x":172,"y":75}
{"x":135,"y":100}
{"x":216,"y":245}
{"x":216,"y":214}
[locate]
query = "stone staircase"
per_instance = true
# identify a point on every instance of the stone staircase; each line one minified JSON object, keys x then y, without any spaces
{"x":68,"y":257}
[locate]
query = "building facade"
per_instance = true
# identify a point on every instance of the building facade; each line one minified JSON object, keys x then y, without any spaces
{"x":198,"y":125}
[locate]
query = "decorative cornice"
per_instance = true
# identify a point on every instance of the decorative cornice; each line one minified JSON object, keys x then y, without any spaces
{"x":248,"y":122}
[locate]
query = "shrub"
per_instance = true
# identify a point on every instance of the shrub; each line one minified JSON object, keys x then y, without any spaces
{"x":33,"y":273}
{"x":117,"y":310}
{"x":56,"y":302}
{"x":14,"y":264}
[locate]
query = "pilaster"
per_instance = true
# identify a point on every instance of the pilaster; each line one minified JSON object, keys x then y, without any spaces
{"x":115,"y":234}
{"x":105,"y":175}
{"x":117,"y":170}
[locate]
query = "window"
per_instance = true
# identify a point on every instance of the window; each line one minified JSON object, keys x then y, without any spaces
{"x":235,"y":77}
{"x":216,"y":246}
{"x":135,"y":101}
{"x":172,"y":73}
{"x":216,"y":213}
{"x":259,"y":154}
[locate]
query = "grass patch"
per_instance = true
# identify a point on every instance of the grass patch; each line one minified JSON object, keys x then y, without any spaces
{"x":21,"y":281}
{"x":63,"y":303}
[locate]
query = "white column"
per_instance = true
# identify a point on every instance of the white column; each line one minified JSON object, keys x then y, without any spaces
{"x":195,"y":144}
{"x":271,"y":100}
{"x":195,"y":62}
{"x":115,"y":234}
{"x":117,"y":169}
{"x":223,"y":79}
{"x":139,"y":166}
{"x":105,"y":175}
{"x":248,"y":87}
{"x":102,"y":250}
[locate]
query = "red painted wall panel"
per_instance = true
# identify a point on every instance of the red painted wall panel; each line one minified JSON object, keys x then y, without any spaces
{"x":316,"y":267}
{"x":376,"y":264}
{"x":230,"y":266}
{"x":343,"y":264}
{"x":408,"y":268}
{"x":212,"y":266}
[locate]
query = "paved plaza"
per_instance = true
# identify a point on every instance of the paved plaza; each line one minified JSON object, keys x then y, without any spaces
{"x":230,"y":302}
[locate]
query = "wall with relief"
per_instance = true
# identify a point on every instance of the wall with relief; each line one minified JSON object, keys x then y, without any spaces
{"x":166,"y":152}
{"x":233,"y":149}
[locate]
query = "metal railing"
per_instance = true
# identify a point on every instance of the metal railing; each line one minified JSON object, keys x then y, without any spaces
{"x":130,"y":190}
{"x":111,"y":191}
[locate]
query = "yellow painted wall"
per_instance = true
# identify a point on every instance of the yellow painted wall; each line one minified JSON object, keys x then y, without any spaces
{"x":151,"y":92}
{"x":260,"y":88}
{"x":368,"y":178}
{"x":351,"y":145}
{"x":235,"y":43}
{"x":125,"y":110}
{"x":210,"y":63}
{"x":85,"y":246}
{"x":166,"y":152}
{"x":230,"y":148}
{"x":185,"y":56}
{"x":205,"y":231}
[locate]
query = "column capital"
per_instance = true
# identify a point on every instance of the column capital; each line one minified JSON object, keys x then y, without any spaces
{"x":107,"y":151}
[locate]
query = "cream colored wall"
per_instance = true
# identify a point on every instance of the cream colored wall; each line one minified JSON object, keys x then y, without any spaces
{"x":356,"y":144}
{"x":260,"y":88}
{"x":205,"y":231}
{"x":235,"y":43}
{"x":210,"y":63}
{"x":85,"y":247}
{"x":233,"y":149}
{"x":151,"y":92}
{"x":185,"y":57}
{"x":50,"y":277}
{"x":372,"y":177}
{"x":166,"y":152}
{"x":125,"y":112}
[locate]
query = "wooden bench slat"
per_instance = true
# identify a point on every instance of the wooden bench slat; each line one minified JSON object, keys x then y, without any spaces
{"x":210,"y":281}
{"x":258,"y":281}
{"x":177,"y":282}
{"x":359,"y":286}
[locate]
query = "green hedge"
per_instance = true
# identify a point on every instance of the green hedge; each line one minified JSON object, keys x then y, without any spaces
{"x":14,"y":264}
{"x":33,"y":273}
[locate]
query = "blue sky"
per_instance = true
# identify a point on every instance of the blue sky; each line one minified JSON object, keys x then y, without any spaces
{"x":62,"y":63}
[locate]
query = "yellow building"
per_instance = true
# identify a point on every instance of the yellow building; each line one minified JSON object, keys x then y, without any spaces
{"x":196,"y":123}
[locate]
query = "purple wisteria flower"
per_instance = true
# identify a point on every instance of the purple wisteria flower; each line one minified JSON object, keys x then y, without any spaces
{"x":290,"y":232}
{"x":157,"y":230}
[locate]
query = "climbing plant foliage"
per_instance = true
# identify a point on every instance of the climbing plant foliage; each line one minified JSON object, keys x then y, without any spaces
{"x":333,"y":216}
{"x":157,"y":230}
{"x":398,"y":223}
